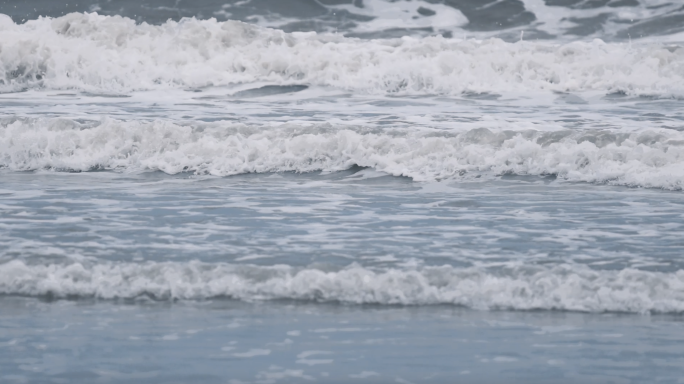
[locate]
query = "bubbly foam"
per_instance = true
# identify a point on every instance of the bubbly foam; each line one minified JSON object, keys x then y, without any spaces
{"x":650,"y":158}
{"x":563,"y":287}
{"x":114,"y":54}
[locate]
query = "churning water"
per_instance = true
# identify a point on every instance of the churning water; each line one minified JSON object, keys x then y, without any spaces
{"x":342,"y":190}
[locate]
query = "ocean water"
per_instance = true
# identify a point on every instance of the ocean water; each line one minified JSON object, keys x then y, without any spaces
{"x":333,"y":191}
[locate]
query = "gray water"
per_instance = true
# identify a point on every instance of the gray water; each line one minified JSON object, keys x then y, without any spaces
{"x":339,"y":191}
{"x":615,"y":19}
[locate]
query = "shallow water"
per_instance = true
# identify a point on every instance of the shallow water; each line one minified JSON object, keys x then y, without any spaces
{"x":82,"y":342}
{"x":330,"y":242}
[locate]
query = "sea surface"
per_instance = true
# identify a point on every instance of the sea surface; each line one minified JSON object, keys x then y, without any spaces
{"x":339,"y":191}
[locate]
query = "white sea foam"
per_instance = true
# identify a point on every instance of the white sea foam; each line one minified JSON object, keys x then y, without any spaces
{"x":649,"y":158}
{"x":114,"y":54}
{"x":563,"y":287}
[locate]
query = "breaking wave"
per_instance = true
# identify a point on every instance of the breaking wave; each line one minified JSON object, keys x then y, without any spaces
{"x":563,"y":287}
{"x":649,"y":158}
{"x":98,"y":53}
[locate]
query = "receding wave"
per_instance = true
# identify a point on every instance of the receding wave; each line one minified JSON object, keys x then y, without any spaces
{"x":649,"y":158}
{"x":563,"y":287}
{"x":114,"y":54}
